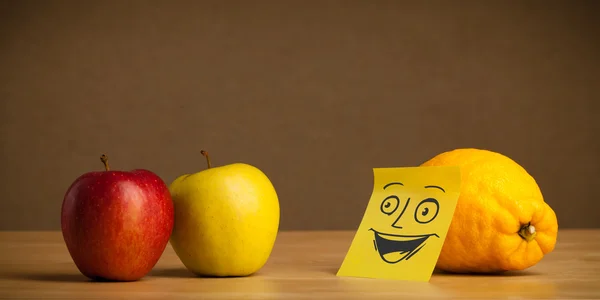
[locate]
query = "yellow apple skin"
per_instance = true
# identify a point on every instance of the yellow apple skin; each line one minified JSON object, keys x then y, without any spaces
{"x":226,"y":220}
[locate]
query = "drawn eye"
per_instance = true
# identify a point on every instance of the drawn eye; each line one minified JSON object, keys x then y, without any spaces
{"x":389,"y":205}
{"x":427,"y":210}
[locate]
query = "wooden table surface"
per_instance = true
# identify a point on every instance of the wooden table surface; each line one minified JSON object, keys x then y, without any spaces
{"x":36,"y":265}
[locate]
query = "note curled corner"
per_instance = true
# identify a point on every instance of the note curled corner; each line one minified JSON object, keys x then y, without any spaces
{"x":405,"y":223}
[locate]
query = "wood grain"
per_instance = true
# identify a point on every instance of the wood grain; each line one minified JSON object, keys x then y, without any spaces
{"x":36,"y":265}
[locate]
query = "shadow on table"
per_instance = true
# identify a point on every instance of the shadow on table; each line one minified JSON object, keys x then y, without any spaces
{"x":333,"y":271}
{"x":184,"y":273}
{"x":499,"y":274}
{"x":66,"y":277}
{"x":75,"y":277}
{"x":172,"y":272}
{"x":56,"y":277}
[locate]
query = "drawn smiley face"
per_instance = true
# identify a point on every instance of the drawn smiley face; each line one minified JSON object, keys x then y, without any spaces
{"x":396,"y":247}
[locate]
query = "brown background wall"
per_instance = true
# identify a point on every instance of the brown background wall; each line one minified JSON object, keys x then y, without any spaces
{"x":313,"y":93}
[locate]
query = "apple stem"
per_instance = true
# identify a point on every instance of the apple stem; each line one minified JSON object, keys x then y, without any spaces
{"x":205,"y":154}
{"x":104,"y":160}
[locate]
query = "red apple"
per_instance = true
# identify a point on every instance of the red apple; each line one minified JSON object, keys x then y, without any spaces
{"x":116,"y":224}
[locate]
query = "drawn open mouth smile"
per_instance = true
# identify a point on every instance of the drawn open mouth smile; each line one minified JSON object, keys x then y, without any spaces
{"x":393,"y":248}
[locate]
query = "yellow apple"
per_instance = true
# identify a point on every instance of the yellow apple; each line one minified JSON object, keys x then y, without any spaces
{"x":226,"y":219}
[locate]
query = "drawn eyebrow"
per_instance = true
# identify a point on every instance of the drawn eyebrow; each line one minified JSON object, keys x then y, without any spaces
{"x":392,"y":183}
{"x":435,"y":187}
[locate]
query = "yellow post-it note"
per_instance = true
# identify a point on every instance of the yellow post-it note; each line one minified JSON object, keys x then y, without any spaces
{"x":405,"y":224}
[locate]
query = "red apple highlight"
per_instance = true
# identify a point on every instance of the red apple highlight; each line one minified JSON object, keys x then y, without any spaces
{"x":116,"y":224}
